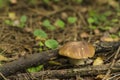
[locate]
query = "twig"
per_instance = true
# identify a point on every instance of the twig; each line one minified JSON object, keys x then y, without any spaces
{"x":40,"y":58}
{"x":3,"y":76}
{"x":27,"y":61}
{"x":112,"y":64}
{"x":52,"y":12}
{"x":111,"y":78}
{"x":65,"y":73}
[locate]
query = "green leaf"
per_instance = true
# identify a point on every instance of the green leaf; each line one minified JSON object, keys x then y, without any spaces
{"x":51,"y":27}
{"x":105,"y":27}
{"x":32,"y":2}
{"x":23,"y":19}
{"x":35,"y":69}
{"x":60,"y":23}
{"x":119,"y":33}
{"x":113,"y":36}
{"x":46,"y":23}
{"x":102,"y":18}
{"x":79,"y":1}
{"x":107,"y":13}
{"x":72,"y":20}
{"x":115,"y":20}
{"x":8,"y":22}
{"x":51,"y":43}
{"x":90,"y":20}
{"x":92,"y":13}
{"x":92,"y":27}
{"x":3,"y":3}
{"x":46,"y":1}
{"x":41,"y":44}
{"x":56,"y":0}
{"x":40,"y":33}
{"x":22,"y":25}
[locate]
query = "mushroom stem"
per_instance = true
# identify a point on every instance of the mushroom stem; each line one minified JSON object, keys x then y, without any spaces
{"x":80,"y":61}
{"x":77,"y":61}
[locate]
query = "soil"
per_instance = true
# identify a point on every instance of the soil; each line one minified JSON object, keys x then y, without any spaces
{"x":16,"y":42}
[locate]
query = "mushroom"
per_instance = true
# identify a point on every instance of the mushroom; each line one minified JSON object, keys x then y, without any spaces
{"x":77,"y":51}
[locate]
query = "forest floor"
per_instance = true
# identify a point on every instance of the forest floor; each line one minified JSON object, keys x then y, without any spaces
{"x":91,"y":21}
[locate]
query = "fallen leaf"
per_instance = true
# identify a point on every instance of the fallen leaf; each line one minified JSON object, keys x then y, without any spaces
{"x":98,"y":61}
{"x":84,"y":35}
{"x":3,"y":58}
{"x":12,"y":15}
{"x":97,"y":32}
{"x":100,"y":77}
{"x":107,"y":37}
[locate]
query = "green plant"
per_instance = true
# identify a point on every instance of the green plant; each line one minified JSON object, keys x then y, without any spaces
{"x":46,"y":23}
{"x":51,"y":43}
{"x":60,"y":23}
{"x":72,"y":20}
{"x":119,"y":33}
{"x":3,"y":3}
{"x":49,"y":1}
{"x":96,"y":19}
{"x":79,"y":1}
{"x":46,"y":1}
{"x":92,"y":27}
{"x":56,"y":0}
{"x":113,"y":36}
{"x":23,"y":20}
{"x":21,"y":23}
{"x":33,"y":2}
{"x":9,"y":22}
{"x":40,"y":33}
{"x":35,"y":69}
{"x":105,"y":27}
{"x":91,"y":20}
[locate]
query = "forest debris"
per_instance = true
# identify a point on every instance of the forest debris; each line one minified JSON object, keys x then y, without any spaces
{"x":3,"y":58}
{"x":98,"y":61}
{"x":112,"y":64}
{"x":26,"y":62}
{"x":82,"y":71}
{"x":40,"y":58}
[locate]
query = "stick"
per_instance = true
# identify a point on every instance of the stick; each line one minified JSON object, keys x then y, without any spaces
{"x":112,"y":64}
{"x":25,"y":62}
{"x":40,"y":58}
{"x":66,"y":73}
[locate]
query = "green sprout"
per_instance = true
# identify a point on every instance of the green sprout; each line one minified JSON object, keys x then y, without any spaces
{"x":60,"y":23}
{"x":46,"y":23}
{"x":35,"y":69}
{"x":51,"y":43}
{"x":72,"y":20}
{"x":40,"y":34}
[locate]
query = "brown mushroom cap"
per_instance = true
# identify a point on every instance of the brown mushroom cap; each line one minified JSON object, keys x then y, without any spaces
{"x":77,"y":50}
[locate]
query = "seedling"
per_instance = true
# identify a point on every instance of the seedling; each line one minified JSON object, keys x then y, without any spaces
{"x":60,"y":23}
{"x":51,"y":43}
{"x":40,"y":33}
{"x":35,"y":69}
{"x":46,"y":23}
{"x":72,"y":20}
{"x":23,"y":20}
{"x":20,"y":23}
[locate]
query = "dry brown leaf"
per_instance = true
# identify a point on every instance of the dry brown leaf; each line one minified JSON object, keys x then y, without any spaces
{"x":84,"y":35}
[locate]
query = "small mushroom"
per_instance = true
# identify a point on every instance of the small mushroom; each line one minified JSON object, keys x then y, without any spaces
{"x":77,"y":51}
